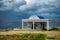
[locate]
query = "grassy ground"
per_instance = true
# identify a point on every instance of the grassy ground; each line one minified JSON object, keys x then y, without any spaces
{"x":30,"y":35}
{"x":26,"y":37}
{"x":23,"y":37}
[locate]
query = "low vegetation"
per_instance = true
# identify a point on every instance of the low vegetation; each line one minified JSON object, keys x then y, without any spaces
{"x":26,"y":37}
{"x":51,"y":38}
{"x":55,"y":29}
{"x":53,"y":34}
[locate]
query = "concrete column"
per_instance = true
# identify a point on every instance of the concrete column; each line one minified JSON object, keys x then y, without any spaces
{"x":22,"y":25}
{"x":33,"y":24}
{"x":47,"y":25}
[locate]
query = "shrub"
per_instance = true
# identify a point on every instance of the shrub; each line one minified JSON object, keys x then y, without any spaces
{"x":54,"y":29}
{"x":51,"y":38}
{"x":40,"y":37}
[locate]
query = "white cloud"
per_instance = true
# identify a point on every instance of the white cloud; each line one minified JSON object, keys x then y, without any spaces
{"x":11,"y":4}
{"x":42,"y":10}
{"x":43,"y":7}
{"x":22,"y":8}
{"x":39,"y":3}
{"x":23,"y":5}
{"x":6,"y":5}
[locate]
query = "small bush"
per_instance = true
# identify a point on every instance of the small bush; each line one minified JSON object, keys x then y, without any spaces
{"x":40,"y":37}
{"x":54,"y":29}
{"x":26,"y":35}
{"x":51,"y":38}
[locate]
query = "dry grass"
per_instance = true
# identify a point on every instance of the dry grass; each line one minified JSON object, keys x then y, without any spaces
{"x":19,"y":32}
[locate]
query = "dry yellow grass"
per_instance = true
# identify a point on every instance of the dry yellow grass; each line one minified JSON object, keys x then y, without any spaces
{"x":49,"y":33}
{"x":19,"y":32}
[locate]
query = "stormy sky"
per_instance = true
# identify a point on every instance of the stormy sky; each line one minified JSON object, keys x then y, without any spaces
{"x":12,"y":11}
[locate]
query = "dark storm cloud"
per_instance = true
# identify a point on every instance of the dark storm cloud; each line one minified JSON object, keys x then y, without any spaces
{"x":44,"y":6}
{"x":12,"y":11}
{"x":10,"y":4}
